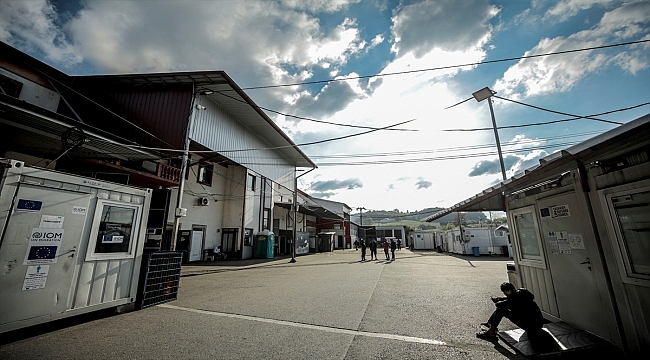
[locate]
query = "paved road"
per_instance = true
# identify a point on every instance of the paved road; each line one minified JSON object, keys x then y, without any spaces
{"x":423,"y":305}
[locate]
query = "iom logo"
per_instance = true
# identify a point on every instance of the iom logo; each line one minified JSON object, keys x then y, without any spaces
{"x":52,"y":235}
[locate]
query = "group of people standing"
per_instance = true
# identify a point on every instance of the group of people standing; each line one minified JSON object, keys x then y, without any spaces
{"x":372,"y":244}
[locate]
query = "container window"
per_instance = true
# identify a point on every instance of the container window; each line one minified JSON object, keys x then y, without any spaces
{"x":527,"y":239}
{"x":633,"y":215}
{"x":114,"y":232}
{"x":115,"y":229}
{"x":527,"y":235}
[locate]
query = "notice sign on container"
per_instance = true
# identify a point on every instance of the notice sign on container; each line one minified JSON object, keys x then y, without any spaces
{"x":560,"y":211}
{"x":36,"y":277}
{"x":43,"y":246}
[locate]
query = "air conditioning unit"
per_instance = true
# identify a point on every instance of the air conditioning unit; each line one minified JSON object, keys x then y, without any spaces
{"x":204,"y":201}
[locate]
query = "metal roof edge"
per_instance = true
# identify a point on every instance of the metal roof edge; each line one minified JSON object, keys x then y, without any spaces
{"x":549,"y":162}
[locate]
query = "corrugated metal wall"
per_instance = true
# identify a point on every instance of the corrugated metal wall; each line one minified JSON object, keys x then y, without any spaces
{"x":219,"y":131}
{"x":162,"y":112}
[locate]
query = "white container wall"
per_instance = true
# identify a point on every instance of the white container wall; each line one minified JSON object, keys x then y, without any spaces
{"x":69,"y":245}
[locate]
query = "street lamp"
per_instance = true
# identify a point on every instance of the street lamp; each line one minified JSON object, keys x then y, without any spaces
{"x":295,"y":215}
{"x":481,"y":95}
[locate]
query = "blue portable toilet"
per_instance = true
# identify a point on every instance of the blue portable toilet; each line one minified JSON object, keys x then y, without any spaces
{"x":264,"y":245}
{"x":475,"y":250}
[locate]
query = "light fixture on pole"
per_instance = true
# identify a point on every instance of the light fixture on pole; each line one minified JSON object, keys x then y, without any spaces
{"x":481,"y":95}
{"x":295,"y":215}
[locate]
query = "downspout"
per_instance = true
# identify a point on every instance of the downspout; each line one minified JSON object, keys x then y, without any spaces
{"x":181,"y":182}
{"x":243,"y":217}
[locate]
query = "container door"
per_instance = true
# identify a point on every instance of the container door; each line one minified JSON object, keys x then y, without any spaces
{"x":572,"y":253}
{"x":39,"y":252}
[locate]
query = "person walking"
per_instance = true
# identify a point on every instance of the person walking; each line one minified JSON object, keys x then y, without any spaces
{"x":399,"y":244}
{"x":356,"y":245}
{"x":386,"y":245}
{"x":373,"y":249}
{"x":363,"y":250}
{"x":393,"y":246}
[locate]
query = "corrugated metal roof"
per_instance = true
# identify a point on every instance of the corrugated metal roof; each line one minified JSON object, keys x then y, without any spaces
{"x":227,"y":94}
{"x":37,"y":131}
{"x":611,"y":144}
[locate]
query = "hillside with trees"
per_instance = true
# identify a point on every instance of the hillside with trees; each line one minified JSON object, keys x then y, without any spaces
{"x":414,"y":220}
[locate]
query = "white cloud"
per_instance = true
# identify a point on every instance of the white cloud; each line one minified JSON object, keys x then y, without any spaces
{"x":565,"y":9}
{"x":281,"y":43}
{"x":444,"y":24}
{"x":338,"y":45}
{"x":32,"y":25}
{"x":559,"y":73}
{"x":314,"y":6}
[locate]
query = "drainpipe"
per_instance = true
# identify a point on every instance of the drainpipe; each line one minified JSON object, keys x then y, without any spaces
{"x":181,"y":183}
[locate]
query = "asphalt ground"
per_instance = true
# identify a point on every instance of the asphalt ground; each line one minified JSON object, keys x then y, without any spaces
{"x":423,"y":305}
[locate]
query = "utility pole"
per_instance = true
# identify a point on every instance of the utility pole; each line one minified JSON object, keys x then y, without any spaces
{"x":481,"y":95}
{"x":361,"y":215}
{"x":295,"y":216}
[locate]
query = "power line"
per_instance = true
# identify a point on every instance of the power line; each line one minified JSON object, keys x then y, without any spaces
{"x":274,"y":147}
{"x":440,"y":158}
{"x":591,"y":117}
{"x":575,"y":117}
{"x":460,"y":148}
{"x":449,"y":66}
{"x":309,"y":119}
{"x":50,"y":78}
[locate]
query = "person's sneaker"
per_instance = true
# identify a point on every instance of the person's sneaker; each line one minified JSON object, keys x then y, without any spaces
{"x":486,"y":336}
{"x":487,"y":325}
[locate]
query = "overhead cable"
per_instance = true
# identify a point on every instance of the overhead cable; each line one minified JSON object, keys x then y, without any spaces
{"x":575,"y":117}
{"x":310,"y":119}
{"x":449,"y":66}
{"x":275,"y":147}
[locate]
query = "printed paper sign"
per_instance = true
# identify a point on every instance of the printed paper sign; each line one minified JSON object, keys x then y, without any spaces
{"x":563,"y":242}
{"x":51,"y":222}
{"x":112,"y":239}
{"x":555,"y":247}
{"x":43,"y":246}
{"x":36,"y":277}
{"x":576,"y":241}
{"x":25,"y":205}
{"x":560,"y":211}
{"x":79,"y":210}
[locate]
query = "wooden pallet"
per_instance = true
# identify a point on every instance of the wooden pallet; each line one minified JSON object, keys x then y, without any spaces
{"x":555,"y":338}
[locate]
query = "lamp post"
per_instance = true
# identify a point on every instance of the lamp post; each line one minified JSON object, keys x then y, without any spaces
{"x":295,"y":215}
{"x":481,"y":95}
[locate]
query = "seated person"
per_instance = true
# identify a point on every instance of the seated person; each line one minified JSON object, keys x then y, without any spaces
{"x":218,"y":254}
{"x":518,"y":306}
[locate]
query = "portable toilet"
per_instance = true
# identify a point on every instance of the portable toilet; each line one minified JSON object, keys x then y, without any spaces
{"x":264,"y":245}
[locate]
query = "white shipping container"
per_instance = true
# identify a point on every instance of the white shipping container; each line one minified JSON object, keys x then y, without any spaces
{"x":69,"y":244}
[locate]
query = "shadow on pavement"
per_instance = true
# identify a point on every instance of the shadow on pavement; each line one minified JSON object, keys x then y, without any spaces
{"x":40,"y":329}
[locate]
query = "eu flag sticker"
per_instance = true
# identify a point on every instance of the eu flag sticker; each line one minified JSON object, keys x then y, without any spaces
{"x":42,"y":252}
{"x":29,"y":205}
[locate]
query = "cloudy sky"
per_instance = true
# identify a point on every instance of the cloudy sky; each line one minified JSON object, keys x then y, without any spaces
{"x":392,"y":61}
